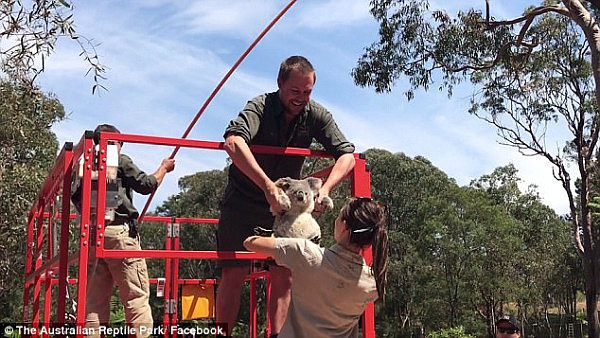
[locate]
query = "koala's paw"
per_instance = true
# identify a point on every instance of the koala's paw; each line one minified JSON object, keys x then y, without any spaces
{"x":327,"y":203}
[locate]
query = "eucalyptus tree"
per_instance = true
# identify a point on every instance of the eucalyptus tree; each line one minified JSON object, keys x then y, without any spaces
{"x":540,"y":261}
{"x":405,"y":184}
{"x":476,"y":242}
{"x":27,"y":151}
{"x":29,"y":31}
{"x":536,"y":72}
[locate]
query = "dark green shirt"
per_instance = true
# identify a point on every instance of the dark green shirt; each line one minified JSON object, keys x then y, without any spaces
{"x":132,"y":179}
{"x":262,"y":122}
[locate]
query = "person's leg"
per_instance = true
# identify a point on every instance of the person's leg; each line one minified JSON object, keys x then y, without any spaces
{"x":235,"y":225}
{"x":279,"y":301}
{"x":99,"y":290}
{"x":131,"y":276}
{"x":228,"y":295}
{"x":134,"y":291}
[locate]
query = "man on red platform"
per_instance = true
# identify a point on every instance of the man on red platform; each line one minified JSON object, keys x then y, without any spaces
{"x":285,"y":118}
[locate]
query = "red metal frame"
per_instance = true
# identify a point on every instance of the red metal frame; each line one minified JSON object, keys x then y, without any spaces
{"x":39,"y":269}
{"x":36,"y":216}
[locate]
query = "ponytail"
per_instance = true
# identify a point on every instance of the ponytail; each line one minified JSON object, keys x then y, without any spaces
{"x":366,"y":221}
{"x":379,"y":265}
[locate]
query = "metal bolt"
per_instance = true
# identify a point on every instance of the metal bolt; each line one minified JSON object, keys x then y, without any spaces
{"x":83,"y":234}
{"x":85,"y":226}
{"x":85,"y":243}
{"x":89,"y":150}
{"x":101,"y":167}
{"x":87,"y":158}
{"x":101,"y":235}
{"x":99,"y":243}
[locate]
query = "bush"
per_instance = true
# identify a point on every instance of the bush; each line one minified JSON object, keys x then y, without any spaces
{"x":455,"y":332}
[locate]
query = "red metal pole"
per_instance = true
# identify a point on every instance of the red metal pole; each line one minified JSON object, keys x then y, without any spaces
{"x":38,"y":262}
{"x":84,"y":230}
{"x":101,"y":200}
{"x":48,"y":272}
{"x":168,"y":280}
{"x":361,"y":178}
{"x":175,"y":273}
{"x":28,"y":264}
{"x":361,"y":186}
{"x":187,"y":254}
{"x":63,"y":264}
{"x":210,"y":145}
{"x":221,"y":83}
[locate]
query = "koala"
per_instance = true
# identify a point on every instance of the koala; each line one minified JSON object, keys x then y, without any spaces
{"x":298,"y":202}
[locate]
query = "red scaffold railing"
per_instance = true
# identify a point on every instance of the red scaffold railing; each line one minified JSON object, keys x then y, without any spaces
{"x":48,"y":257}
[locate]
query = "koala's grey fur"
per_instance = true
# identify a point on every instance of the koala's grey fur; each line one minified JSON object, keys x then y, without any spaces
{"x":298,"y":202}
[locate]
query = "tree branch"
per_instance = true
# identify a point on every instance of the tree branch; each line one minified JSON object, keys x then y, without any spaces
{"x":489,"y":65}
{"x":529,"y":16}
{"x":523,"y":31}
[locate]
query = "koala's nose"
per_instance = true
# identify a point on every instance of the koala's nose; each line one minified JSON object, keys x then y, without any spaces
{"x":300,"y":196}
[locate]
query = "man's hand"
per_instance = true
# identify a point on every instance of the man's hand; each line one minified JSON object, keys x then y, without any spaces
{"x":323,"y":202}
{"x":168,"y":164}
{"x":271,"y":194}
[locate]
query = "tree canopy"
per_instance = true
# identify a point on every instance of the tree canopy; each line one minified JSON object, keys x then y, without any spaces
{"x":27,"y":151}
{"x":29,"y":31}
{"x":532,"y":74}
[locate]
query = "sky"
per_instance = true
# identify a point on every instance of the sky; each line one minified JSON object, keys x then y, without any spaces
{"x":164,"y":58}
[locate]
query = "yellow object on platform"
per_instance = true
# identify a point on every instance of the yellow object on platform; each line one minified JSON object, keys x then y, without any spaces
{"x":198,"y":301}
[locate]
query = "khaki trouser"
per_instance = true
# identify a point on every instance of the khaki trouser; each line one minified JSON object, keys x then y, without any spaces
{"x":131,"y":277}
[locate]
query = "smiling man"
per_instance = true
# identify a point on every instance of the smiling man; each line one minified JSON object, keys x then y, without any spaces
{"x":285,"y":118}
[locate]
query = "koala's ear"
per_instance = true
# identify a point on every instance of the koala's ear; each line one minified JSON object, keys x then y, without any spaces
{"x":314,"y":183}
{"x":283,"y":183}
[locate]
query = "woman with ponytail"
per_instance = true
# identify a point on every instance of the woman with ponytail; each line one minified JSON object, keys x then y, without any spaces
{"x":331,"y":287}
